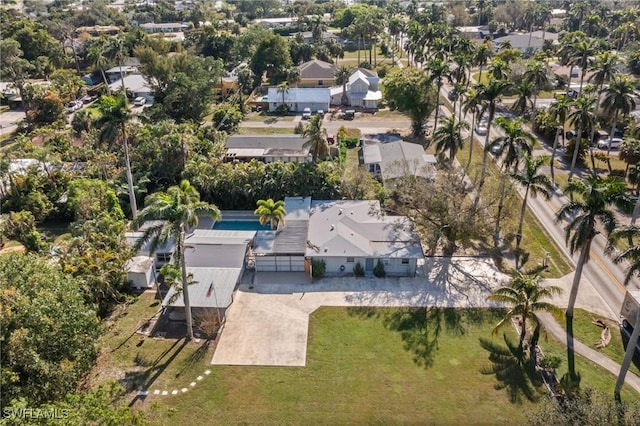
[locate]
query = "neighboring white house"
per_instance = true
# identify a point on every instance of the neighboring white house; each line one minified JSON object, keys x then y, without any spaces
{"x":166,"y":27}
{"x":343,"y":233}
{"x":141,"y":272}
{"x":389,"y":160}
{"x":297,"y":99}
{"x":136,"y":84}
{"x":268,"y":148}
{"x":362,"y":90}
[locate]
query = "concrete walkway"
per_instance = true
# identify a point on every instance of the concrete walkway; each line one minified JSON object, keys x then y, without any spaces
{"x":268,"y":322}
{"x":553,"y":328}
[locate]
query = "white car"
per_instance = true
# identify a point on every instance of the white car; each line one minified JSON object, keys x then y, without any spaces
{"x":481,"y":128}
{"x":615,"y":143}
{"x":139,"y":101}
{"x":306,"y":113}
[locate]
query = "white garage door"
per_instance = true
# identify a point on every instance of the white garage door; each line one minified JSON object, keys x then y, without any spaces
{"x":280,"y":264}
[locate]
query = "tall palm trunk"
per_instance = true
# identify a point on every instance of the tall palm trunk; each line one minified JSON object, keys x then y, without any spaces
{"x":127,"y":164}
{"x":636,"y":212}
{"x":593,"y":131}
{"x":576,"y":149}
{"x":628,"y":357}
{"x":485,"y":153}
{"x":553,"y":153}
{"x":522,"y":212}
{"x":473,"y":120}
{"x":575,"y":285}
{"x":613,"y":128}
{"x":185,"y":286}
{"x":496,"y":229}
{"x":435,"y":125}
{"x":106,"y":82}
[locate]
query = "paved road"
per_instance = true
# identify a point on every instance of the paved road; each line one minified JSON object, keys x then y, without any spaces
{"x":9,"y":120}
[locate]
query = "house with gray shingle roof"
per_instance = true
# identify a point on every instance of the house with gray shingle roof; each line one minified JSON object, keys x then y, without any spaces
{"x":388,"y":160}
{"x":317,"y":73}
{"x":268,"y":148}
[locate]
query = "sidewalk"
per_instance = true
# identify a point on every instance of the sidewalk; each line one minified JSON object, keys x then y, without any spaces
{"x":553,"y":328}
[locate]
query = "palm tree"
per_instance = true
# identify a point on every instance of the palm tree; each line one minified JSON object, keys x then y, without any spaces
{"x":524,"y":91}
{"x":631,"y":254}
{"x":342,"y":77}
{"x":97,"y":56}
{"x":513,"y":144}
{"x":534,"y":182}
{"x":448,"y":137}
{"x":559,"y":111}
{"x":524,"y":294}
{"x":604,"y":69}
{"x":293,"y":76}
{"x":500,"y":70}
{"x":483,"y":54}
{"x":510,"y":146}
{"x":582,"y":119}
{"x":580,"y":54}
{"x":317,"y":142}
{"x":114,"y":114}
{"x":178,"y":209}
{"x":284,"y":89}
{"x":473,"y":102}
{"x":618,"y":99}
{"x":490,"y":94}
{"x":591,"y":203}
{"x":438,"y":69}
{"x":271,"y":211}
{"x":537,"y":74}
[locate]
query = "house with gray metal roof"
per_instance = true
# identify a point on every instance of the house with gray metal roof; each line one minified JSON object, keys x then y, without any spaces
{"x":297,"y":99}
{"x":390,"y":160}
{"x":215,"y":261}
{"x":268,"y":148}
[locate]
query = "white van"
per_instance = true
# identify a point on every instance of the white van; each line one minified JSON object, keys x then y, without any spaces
{"x":139,"y":101}
{"x":306,"y":113}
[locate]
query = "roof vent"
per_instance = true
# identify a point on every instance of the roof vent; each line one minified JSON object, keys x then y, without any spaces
{"x":351,"y":211}
{"x":340,"y":212}
{"x":326,"y":249}
{"x":332,"y":226}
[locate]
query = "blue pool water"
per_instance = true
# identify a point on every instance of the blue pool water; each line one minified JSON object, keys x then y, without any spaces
{"x":241,"y":225}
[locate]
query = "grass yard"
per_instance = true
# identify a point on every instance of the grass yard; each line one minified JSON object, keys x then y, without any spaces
{"x":265,"y":130}
{"x":379,"y":366}
{"x":154,"y":364}
{"x":382,"y":366}
{"x":267,"y":118}
{"x":585,"y":331}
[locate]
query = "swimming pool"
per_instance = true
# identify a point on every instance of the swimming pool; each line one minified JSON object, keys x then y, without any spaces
{"x":241,"y":225}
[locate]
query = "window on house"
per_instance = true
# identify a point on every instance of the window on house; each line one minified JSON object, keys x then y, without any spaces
{"x":350,"y":259}
{"x":320,"y":83}
{"x":163,"y":257}
{"x":385,"y":261}
{"x":405,"y":261}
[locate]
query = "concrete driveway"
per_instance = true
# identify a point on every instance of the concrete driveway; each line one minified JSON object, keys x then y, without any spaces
{"x":268,"y":323}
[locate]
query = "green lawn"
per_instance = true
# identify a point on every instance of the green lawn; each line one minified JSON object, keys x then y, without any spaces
{"x":382,"y":366}
{"x":366,"y":366}
{"x":265,"y":130}
{"x":267,"y":118}
{"x":585,"y":331}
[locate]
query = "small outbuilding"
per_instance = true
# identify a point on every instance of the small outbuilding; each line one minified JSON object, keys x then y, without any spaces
{"x":141,"y":273}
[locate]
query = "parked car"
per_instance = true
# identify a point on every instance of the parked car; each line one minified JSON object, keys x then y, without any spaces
{"x":139,"y":101}
{"x":610,"y":143}
{"x":321,"y":113}
{"x":74,"y":106}
{"x":349,"y":114}
{"x":306,"y":113}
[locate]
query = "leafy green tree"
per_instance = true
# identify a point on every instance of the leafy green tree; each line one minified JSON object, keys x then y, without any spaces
{"x":46,"y":106}
{"x":96,"y":255}
{"x":87,"y":198}
{"x":48,"y":333}
{"x":14,"y":68}
{"x":21,"y":226}
{"x":535,"y":182}
{"x":317,"y":142}
{"x":227,"y":117}
{"x":178,"y":209}
{"x":591,"y":205}
{"x":271,"y":211}
{"x":412,"y":93}
{"x":97,"y":56}
{"x":524,"y":294}
{"x":271,"y":57}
